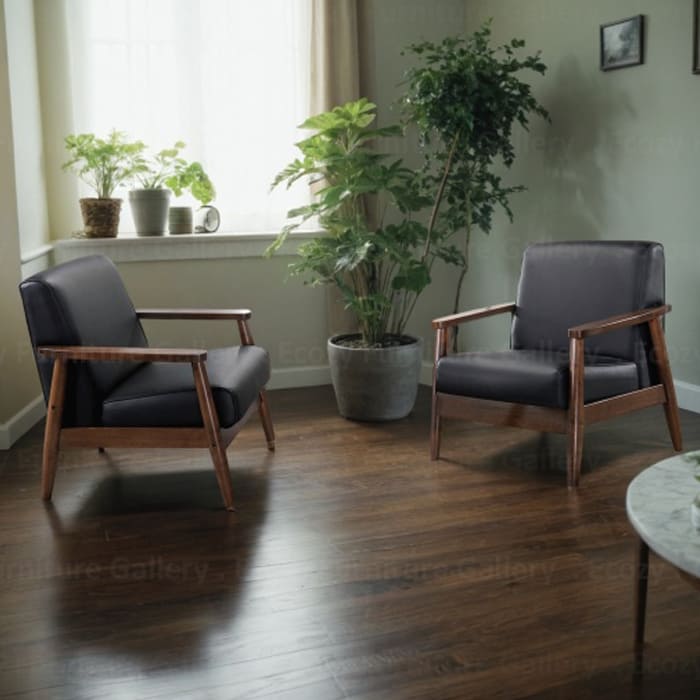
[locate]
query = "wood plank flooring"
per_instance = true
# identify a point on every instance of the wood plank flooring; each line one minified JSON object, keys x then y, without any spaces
{"x":354,"y":568}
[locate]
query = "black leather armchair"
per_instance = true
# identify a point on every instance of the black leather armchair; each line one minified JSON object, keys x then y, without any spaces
{"x":587,"y":344}
{"x":105,"y":387}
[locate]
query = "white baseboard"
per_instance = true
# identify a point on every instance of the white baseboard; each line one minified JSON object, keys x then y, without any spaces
{"x":285,"y":378}
{"x":688,"y":396}
{"x":21,"y":422}
{"x":293,"y":377}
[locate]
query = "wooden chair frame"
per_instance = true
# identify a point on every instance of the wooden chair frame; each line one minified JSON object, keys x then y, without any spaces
{"x":569,"y":421}
{"x":210,"y":436}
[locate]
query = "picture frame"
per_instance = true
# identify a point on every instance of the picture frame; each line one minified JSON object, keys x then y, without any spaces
{"x":622,"y":43}
{"x":696,"y":36}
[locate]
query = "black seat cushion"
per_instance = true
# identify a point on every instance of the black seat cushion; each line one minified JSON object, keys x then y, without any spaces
{"x":532,"y":376}
{"x":161,"y":394}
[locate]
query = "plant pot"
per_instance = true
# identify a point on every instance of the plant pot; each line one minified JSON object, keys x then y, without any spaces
{"x":100,"y":217}
{"x":149,"y":209}
{"x":375,"y":384}
{"x":180,"y":220}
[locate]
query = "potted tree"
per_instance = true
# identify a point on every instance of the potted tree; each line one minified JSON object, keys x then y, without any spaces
{"x":380,"y":267}
{"x":103,"y":164}
{"x":465,"y":96}
{"x":158,"y":175}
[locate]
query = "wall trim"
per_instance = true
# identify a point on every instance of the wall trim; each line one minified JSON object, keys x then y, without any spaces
{"x":426,"y":373}
{"x":285,"y":378}
{"x":39,"y":252}
{"x":197,"y":246}
{"x":36,"y":260}
{"x":295,"y":377}
{"x":23,"y":421}
{"x":688,"y":395}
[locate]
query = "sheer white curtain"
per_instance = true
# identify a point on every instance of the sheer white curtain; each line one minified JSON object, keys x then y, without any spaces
{"x":231,"y":78}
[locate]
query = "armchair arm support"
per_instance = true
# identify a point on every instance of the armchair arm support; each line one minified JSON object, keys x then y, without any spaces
{"x":463,"y":317}
{"x":125,"y":354}
{"x":194,"y":314}
{"x":632,"y":318}
{"x":241,"y":317}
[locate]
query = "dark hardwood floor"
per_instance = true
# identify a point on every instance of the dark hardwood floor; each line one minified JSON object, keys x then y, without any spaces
{"x":354,"y":568}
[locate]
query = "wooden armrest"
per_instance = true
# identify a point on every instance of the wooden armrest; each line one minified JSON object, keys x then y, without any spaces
{"x":88,"y":352}
{"x":632,"y":318}
{"x":454,"y":319}
{"x":191,"y":314}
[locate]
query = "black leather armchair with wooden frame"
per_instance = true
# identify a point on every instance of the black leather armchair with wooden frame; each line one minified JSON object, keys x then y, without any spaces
{"x":622,"y":277}
{"x":135,"y":382}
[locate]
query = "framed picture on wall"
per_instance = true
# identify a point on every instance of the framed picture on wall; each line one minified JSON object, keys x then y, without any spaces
{"x":622,"y":43}
{"x":696,"y":36}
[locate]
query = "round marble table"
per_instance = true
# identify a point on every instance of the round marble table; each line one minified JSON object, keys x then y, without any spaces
{"x":658,"y":506}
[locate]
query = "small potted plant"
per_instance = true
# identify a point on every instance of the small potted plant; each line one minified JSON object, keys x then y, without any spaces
{"x":158,"y":175}
{"x":104,"y":165}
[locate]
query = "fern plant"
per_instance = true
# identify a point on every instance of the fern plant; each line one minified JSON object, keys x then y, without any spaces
{"x":103,"y":164}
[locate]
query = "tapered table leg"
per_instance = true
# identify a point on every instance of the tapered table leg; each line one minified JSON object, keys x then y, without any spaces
{"x":640,"y":604}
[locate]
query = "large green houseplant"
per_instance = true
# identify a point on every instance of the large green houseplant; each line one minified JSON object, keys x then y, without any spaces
{"x":373,"y":250}
{"x":104,"y":165}
{"x":465,"y":97}
{"x":159,"y":174}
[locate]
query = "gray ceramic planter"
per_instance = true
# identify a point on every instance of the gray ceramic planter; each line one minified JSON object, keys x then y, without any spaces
{"x":150,"y":211}
{"x":375,"y":384}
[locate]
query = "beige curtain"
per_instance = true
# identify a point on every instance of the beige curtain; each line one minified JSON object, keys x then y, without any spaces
{"x":335,"y":79}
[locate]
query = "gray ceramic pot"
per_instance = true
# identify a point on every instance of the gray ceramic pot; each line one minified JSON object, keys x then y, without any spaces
{"x":150,"y":211}
{"x":375,"y":384}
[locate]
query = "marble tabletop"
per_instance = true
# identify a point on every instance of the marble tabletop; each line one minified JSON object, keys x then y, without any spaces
{"x":658,"y":506}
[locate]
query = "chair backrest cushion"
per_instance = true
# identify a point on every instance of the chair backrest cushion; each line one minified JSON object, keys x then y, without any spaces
{"x":82,"y":302}
{"x":568,"y":283}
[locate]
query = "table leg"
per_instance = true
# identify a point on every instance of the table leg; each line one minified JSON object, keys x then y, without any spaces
{"x":640,"y":603}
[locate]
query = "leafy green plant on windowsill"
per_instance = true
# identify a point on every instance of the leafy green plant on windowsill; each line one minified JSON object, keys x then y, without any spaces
{"x":103,"y":164}
{"x":167,"y":169}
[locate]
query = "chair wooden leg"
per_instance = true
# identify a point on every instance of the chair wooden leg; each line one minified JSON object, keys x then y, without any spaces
{"x":435,"y":422}
{"x":664,"y":367}
{"x":266,"y":420}
{"x":211,"y":425}
{"x":52,"y":432}
{"x":435,"y":429}
{"x":575,"y":432}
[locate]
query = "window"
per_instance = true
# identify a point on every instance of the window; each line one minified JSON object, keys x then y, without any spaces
{"x":230,"y":78}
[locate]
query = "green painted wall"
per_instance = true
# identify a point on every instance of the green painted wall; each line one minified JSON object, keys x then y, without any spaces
{"x":620,"y":160}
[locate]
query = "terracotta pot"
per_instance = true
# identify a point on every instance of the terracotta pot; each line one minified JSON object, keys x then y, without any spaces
{"x":100,"y":217}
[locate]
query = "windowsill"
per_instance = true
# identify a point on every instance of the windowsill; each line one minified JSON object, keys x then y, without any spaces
{"x":197,"y":246}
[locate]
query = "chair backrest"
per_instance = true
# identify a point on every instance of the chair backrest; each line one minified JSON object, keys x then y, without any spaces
{"x":82,"y":302}
{"x":569,"y":283}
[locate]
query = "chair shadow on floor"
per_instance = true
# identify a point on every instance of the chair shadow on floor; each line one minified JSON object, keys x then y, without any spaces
{"x":150,"y":566}
{"x":514,"y":451}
